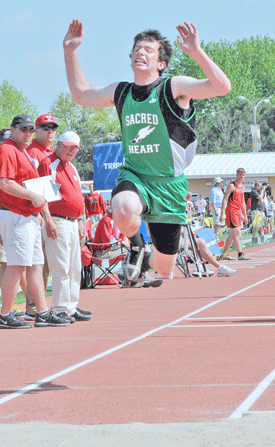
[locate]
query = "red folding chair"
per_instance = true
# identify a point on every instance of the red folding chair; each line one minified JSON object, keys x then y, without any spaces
{"x":105,"y":264}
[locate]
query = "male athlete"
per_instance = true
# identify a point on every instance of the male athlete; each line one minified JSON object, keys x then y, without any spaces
{"x":234,"y":198}
{"x":159,"y":142}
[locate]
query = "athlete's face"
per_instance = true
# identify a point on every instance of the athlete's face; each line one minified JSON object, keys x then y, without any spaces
{"x":145,"y":57}
{"x":240,"y":177}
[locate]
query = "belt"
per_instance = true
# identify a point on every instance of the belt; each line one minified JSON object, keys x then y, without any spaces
{"x":72,"y":219}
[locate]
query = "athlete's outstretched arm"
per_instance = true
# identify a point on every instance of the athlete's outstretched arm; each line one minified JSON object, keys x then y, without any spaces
{"x":82,"y":92}
{"x":216,"y":82}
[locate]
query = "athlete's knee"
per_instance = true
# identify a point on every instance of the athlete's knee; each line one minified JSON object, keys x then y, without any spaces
{"x":125,"y":204}
{"x":201,"y":243}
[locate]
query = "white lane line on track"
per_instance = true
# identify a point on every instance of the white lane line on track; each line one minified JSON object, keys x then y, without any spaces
{"x":36,"y":385}
{"x":233,"y":325}
{"x":251,"y":317}
{"x":251,"y":399}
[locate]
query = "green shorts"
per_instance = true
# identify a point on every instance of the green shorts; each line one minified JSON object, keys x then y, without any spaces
{"x":164,"y":196}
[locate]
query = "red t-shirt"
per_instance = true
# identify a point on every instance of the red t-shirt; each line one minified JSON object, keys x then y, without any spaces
{"x":94,"y":204}
{"x":65,"y":174}
{"x":106,"y":231}
{"x":37,"y":151}
{"x":15,"y":164}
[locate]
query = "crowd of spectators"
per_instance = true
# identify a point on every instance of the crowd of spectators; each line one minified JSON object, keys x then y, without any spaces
{"x":259,"y":202}
{"x":25,"y":212}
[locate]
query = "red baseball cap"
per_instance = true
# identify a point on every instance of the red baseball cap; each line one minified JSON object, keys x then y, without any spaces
{"x":45,"y":119}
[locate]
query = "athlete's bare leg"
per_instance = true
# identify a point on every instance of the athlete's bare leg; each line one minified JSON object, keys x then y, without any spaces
{"x":234,"y":235}
{"x":126,"y":210}
{"x":162,"y":263}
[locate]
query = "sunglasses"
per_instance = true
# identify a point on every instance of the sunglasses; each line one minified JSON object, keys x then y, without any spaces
{"x":26,"y":129}
{"x":46,"y":127}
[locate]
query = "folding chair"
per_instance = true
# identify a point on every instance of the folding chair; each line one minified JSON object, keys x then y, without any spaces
{"x":106,"y":264}
{"x":192,"y":254}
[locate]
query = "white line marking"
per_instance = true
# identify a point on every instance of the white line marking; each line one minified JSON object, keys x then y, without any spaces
{"x":232,"y":318}
{"x":223,"y":325}
{"x":36,"y":385}
{"x":251,"y":399}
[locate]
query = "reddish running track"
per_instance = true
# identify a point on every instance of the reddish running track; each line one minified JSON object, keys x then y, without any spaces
{"x":192,"y":350}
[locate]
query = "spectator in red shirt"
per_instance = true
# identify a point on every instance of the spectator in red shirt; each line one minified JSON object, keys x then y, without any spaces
{"x":95,"y":207}
{"x":40,"y":147}
{"x":42,"y":144}
{"x":64,"y":228}
{"x":20,"y":227}
{"x":107,"y":231}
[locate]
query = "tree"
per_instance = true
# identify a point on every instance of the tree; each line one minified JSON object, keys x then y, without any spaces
{"x":93,"y":126}
{"x":12,"y":103}
{"x":223,"y":124}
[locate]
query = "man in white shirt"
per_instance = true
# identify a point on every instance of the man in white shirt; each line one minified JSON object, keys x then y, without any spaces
{"x":200,"y":205}
{"x":216,"y":197}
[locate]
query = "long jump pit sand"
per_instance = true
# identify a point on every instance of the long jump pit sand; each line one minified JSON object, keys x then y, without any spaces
{"x":253,"y":430}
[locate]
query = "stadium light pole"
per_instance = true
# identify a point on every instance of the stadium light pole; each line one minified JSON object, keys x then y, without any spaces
{"x":254,"y":107}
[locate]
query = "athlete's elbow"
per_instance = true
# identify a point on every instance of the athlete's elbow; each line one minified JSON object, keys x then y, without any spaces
{"x":78,"y":98}
{"x":225,"y":88}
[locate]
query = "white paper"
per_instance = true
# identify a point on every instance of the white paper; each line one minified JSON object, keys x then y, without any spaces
{"x":44,"y":186}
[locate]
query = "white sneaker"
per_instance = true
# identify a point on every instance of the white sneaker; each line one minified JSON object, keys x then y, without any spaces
{"x":243,"y":258}
{"x":202,"y":272}
{"x":225,"y":271}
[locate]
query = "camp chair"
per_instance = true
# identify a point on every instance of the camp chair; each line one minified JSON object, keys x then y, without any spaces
{"x":186,"y":255}
{"x":105,"y":264}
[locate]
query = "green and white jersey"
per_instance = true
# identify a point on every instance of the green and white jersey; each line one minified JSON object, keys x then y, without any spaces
{"x":158,"y":136}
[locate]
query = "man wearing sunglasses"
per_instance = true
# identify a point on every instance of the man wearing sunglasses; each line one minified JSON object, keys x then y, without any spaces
{"x":45,"y":132}
{"x":40,"y":147}
{"x":20,"y":227}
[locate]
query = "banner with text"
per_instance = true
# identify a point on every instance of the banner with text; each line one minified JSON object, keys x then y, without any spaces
{"x":107,"y":159}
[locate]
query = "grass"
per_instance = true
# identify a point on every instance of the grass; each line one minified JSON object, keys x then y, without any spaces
{"x":20,"y":298}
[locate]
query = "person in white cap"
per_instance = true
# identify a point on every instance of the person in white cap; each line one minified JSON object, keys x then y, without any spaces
{"x":216,"y":197}
{"x":64,"y":228}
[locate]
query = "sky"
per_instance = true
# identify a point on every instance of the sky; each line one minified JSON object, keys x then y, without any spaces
{"x":32,"y":35}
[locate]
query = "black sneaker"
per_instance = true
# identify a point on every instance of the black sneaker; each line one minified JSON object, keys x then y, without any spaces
{"x":79,"y":316}
{"x":17,"y":312}
{"x":65,"y":316}
{"x":85,"y":312}
{"x":132,"y":264}
{"x":12,"y":322}
{"x":29,"y":317}
{"x":49,"y":319}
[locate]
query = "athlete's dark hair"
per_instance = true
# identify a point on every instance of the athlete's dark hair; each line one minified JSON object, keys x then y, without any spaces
{"x":165,"y":48}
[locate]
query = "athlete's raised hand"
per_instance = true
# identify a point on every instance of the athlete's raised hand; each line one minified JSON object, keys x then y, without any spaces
{"x":74,"y":35}
{"x":188,"y":41}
